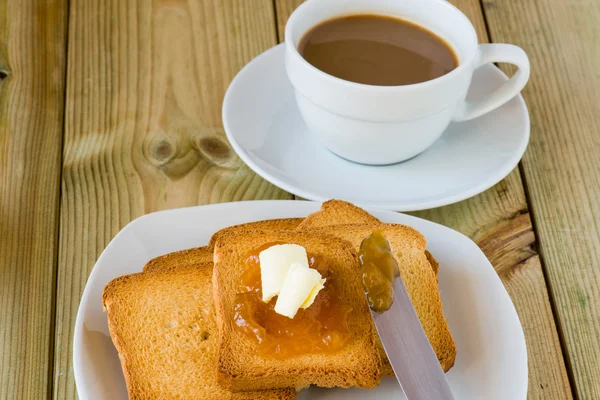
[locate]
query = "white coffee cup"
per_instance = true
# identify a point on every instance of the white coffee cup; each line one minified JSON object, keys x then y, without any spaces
{"x":381,"y":125}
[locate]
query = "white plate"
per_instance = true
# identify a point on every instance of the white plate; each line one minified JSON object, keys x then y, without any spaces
{"x":265,"y":128}
{"x":491,"y":360}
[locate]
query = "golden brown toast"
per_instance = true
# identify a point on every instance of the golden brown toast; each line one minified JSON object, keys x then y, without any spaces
{"x":180,"y":259}
{"x":240,"y":367}
{"x":337,"y":212}
{"x":435,"y":265}
{"x":282,"y":224}
{"x":200,"y":255}
{"x":163,"y":326}
{"x":408,"y":247}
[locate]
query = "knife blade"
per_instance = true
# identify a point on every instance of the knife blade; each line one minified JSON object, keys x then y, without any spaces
{"x":413,"y":360}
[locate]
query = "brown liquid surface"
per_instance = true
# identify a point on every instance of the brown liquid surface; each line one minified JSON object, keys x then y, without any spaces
{"x":322,"y":327}
{"x":377,"y":50}
{"x":379,"y":271}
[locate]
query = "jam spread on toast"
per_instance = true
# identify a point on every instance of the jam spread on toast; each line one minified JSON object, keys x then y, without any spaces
{"x":320,"y":328}
{"x":379,"y":271}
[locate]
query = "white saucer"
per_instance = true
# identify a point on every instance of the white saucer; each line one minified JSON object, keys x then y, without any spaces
{"x":491,"y":357}
{"x":265,"y":128}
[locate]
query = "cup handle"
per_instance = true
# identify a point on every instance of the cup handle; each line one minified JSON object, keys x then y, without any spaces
{"x":496,"y":52}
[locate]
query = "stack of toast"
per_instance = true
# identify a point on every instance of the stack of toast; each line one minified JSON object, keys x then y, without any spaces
{"x":173,"y":325}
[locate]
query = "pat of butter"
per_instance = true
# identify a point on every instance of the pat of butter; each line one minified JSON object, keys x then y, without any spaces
{"x":300,"y":287}
{"x":274,"y":265}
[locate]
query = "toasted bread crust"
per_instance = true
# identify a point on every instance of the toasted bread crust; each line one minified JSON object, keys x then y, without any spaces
{"x":281,"y":224}
{"x":337,"y":212}
{"x":239,"y":365}
{"x":435,"y":265}
{"x":180,"y":259}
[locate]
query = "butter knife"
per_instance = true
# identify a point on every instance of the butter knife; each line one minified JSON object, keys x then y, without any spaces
{"x":414,"y":362}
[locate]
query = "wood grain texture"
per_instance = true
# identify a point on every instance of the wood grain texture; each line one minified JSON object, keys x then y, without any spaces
{"x":283,"y":10}
{"x":145,"y":82}
{"x":562,"y":166}
{"x":32,"y":70}
{"x":498,"y":220}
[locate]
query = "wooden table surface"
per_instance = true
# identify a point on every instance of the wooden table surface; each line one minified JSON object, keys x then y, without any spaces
{"x":112,"y":109}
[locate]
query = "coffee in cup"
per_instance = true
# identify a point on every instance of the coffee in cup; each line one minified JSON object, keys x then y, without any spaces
{"x":371,"y":120}
{"x":377,"y":50}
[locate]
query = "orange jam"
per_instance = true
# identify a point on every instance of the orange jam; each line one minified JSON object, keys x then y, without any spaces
{"x":320,"y":328}
{"x":379,"y":271}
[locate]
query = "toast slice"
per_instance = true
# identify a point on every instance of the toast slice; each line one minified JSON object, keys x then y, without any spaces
{"x":435,"y":265}
{"x":241,"y":367}
{"x":408,"y":248}
{"x":163,"y":326}
{"x":282,"y":224}
{"x":202,"y":255}
{"x":198,"y":256}
{"x":337,"y":212}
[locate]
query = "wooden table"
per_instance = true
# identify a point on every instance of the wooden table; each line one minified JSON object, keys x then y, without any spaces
{"x":112,"y":109}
